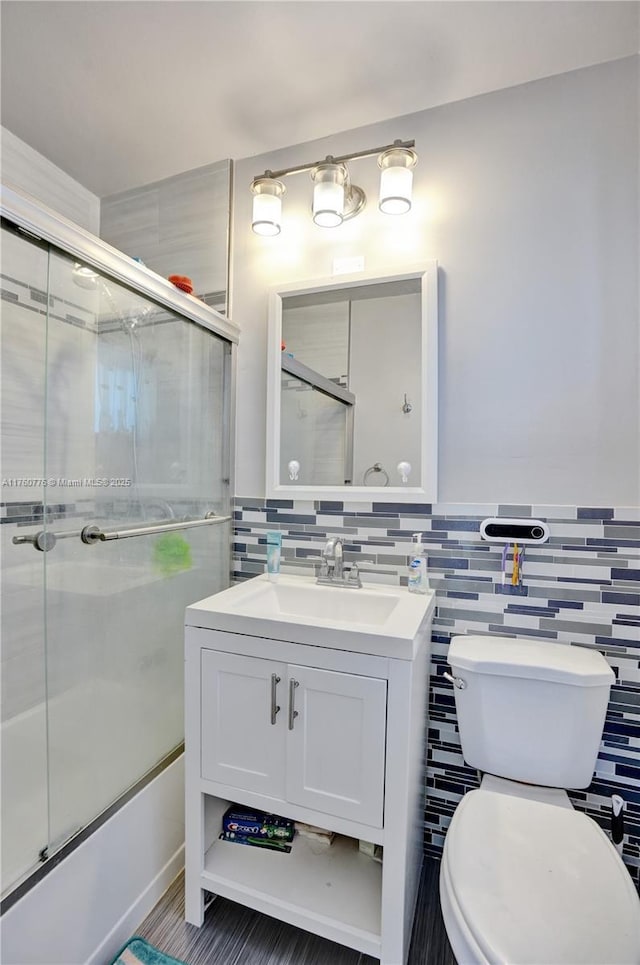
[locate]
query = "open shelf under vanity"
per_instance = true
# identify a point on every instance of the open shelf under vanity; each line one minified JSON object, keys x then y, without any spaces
{"x":336,"y":894}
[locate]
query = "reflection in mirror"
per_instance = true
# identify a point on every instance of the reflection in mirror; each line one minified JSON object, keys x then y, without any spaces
{"x":316,"y":429}
{"x":356,"y":367}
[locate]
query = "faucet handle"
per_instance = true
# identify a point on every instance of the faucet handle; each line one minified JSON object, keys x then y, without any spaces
{"x":322,"y":560}
{"x":354,"y":575}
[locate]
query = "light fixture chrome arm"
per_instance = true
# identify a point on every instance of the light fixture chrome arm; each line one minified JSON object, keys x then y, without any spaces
{"x":329,"y":159}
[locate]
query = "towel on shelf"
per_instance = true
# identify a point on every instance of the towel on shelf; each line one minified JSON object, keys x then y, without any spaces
{"x":319,"y":839}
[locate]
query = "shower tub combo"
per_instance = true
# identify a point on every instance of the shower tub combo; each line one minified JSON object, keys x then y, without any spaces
{"x":115,"y":515}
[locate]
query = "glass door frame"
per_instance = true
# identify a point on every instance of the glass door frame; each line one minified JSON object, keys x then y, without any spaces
{"x":43,"y":224}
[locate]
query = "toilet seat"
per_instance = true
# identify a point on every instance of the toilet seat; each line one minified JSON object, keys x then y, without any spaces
{"x":530,"y":881}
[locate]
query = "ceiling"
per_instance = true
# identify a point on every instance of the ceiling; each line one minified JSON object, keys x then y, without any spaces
{"x":119,"y":93}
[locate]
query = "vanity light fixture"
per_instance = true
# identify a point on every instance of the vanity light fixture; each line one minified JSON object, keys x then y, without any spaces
{"x":396,"y":179}
{"x":267,"y":205}
{"x":335,"y":197}
{"x":328,"y":194}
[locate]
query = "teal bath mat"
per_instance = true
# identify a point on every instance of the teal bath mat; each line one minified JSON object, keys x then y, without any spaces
{"x":139,"y":952}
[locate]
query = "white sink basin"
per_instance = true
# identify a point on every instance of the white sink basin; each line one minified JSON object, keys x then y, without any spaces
{"x":319,"y":602}
{"x":377,"y":619}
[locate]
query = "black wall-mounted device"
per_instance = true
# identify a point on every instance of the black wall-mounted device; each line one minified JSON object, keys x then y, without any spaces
{"x":505,"y":530}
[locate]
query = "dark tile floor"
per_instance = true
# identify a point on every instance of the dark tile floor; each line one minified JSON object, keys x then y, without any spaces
{"x":235,"y":935}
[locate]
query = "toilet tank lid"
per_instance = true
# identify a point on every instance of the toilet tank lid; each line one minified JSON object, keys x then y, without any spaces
{"x":536,"y":659}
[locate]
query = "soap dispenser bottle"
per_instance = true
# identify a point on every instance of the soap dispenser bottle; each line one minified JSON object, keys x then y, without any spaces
{"x":418,"y":575}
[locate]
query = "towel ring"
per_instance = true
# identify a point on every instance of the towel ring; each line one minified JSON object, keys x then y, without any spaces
{"x":377,"y":467}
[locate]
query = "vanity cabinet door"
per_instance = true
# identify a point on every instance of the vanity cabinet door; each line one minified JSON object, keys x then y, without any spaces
{"x":336,"y":743}
{"x":243,"y":731}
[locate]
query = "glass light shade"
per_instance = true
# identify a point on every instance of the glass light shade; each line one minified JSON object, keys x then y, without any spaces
{"x":267,"y":206}
{"x":396,"y":180}
{"x":395,"y":190}
{"x":328,"y":194}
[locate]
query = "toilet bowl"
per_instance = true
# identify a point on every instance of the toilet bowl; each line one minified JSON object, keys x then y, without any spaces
{"x":527,"y":880}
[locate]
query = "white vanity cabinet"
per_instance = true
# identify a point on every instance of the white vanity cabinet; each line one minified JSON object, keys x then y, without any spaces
{"x":307,"y":736}
{"x":325,"y":735}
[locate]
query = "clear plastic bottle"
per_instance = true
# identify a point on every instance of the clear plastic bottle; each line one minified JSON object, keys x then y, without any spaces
{"x":418,"y":574}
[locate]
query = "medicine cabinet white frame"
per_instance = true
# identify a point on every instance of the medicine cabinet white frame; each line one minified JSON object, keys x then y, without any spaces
{"x":427,"y":273}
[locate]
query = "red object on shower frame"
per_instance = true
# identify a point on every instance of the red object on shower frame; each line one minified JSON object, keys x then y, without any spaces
{"x":182,"y":282}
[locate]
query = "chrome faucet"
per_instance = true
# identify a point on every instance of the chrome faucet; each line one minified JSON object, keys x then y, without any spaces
{"x":332,"y":571}
{"x":333,"y":554}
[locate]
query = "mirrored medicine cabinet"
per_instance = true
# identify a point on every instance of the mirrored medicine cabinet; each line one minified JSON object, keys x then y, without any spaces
{"x":352,"y":388}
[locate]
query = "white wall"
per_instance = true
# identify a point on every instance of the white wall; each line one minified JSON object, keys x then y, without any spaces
{"x":29,"y":172}
{"x":528,"y":199}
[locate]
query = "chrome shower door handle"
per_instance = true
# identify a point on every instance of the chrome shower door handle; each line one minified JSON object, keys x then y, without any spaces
{"x":45,"y":540}
{"x":93,"y":534}
{"x":275,"y":680}
{"x":42,"y":541}
{"x":293,"y":713}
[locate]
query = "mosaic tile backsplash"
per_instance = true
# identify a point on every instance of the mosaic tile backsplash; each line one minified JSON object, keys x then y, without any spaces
{"x":582,"y":587}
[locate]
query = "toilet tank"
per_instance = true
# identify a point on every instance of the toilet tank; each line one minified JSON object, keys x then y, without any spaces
{"x":530,"y":710}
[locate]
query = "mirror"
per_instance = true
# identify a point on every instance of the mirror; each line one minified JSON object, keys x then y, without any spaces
{"x":352,"y":388}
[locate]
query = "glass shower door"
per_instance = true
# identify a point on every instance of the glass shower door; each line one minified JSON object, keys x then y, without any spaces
{"x":23,"y":733}
{"x":136,"y":440}
{"x":115,"y":416}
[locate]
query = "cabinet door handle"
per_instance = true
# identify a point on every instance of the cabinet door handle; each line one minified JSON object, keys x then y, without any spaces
{"x":275,"y":680}
{"x":293,"y":713}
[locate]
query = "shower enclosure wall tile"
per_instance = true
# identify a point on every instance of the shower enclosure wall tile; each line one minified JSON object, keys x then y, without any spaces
{"x":130,"y":222}
{"x":23,"y":685}
{"x":71,"y":358}
{"x":177,"y":226}
{"x":23,"y":361}
{"x":28,"y":171}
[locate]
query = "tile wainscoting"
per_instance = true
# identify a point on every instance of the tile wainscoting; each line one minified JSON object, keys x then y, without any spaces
{"x":582,"y":588}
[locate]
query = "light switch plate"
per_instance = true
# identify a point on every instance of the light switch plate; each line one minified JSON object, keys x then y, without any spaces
{"x":348,"y":266}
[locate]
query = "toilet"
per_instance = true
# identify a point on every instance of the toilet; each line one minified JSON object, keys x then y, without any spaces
{"x":526,"y":879}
